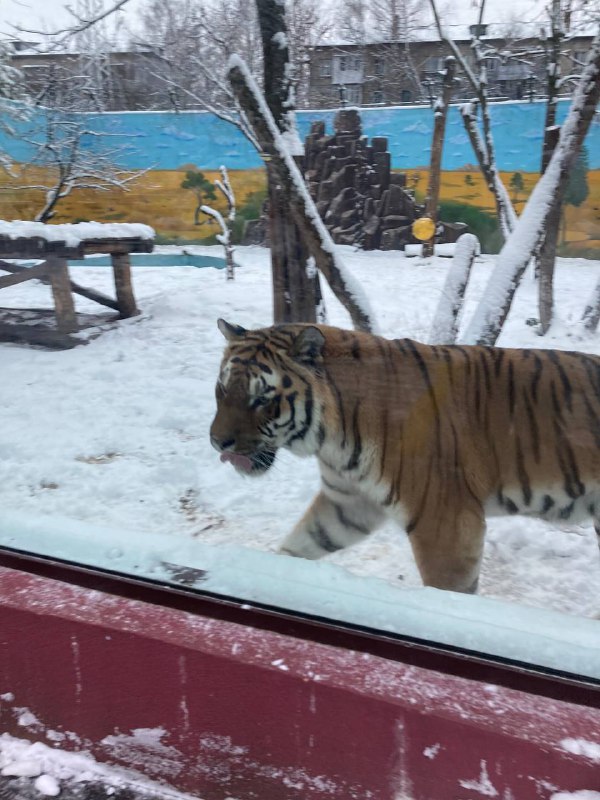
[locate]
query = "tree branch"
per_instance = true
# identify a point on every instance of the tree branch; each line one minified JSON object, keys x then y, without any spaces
{"x":547,"y":195}
{"x":302,"y":208}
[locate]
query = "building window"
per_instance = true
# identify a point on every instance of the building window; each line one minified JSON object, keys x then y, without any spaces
{"x":325,"y":68}
{"x":378,"y":66}
{"x":491,"y":64}
{"x":357,"y":63}
{"x":377,"y":96}
{"x":406,"y":96}
{"x":343,"y":63}
{"x":434,"y":64}
{"x":353,"y":95}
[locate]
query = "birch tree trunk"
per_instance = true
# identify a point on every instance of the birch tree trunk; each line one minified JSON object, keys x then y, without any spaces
{"x":296,"y":200}
{"x":483,"y":147}
{"x":545,"y":259}
{"x":437,"y":146}
{"x":505,"y":212}
{"x":296,"y":290}
{"x":444,"y":329}
{"x":541,"y":208}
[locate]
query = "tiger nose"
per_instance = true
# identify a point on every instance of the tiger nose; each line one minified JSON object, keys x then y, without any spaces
{"x":222,"y":444}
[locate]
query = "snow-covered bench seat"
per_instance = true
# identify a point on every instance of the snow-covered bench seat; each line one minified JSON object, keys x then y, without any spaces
{"x":53,"y":245}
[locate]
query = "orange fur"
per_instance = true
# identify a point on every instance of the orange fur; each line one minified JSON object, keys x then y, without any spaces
{"x":434,"y":436}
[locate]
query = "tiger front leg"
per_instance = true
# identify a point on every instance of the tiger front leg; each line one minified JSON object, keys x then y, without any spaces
{"x":331,"y":523}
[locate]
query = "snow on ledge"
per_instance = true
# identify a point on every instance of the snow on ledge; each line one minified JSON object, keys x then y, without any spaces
{"x":73,"y":234}
{"x":52,"y":767}
{"x":530,"y":635}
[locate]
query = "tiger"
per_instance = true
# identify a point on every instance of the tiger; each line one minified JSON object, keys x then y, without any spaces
{"x":435,"y":437}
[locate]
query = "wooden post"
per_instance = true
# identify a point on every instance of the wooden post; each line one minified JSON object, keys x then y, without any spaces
{"x":58,"y":274}
{"x":437,"y":146}
{"x":121,"y":264}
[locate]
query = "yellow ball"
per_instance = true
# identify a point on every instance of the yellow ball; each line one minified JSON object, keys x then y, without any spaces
{"x":423,"y":229}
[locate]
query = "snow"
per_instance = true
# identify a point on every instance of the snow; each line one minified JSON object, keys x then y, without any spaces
{"x":74,"y":233}
{"x":47,"y":785}
{"x":582,"y":747}
{"x":482,"y":785}
{"x":527,"y":231}
{"x":584,"y":794}
{"x":105,"y":459}
{"x":447,"y":317}
{"x":52,"y":767}
{"x":280,"y":39}
{"x":22,"y":768}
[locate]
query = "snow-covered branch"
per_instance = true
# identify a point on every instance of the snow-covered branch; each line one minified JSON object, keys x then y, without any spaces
{"x":228,"y":111}
{"x":80,"y":24}
{"x":444,"y":329}
{"x":297,"y":197}
{"x":483,"y":147}
{"x":547,"y":195}
{"x":224,"y":237}
{"x":70,"y":166}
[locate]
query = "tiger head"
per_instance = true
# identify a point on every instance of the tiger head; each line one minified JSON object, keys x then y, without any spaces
{"x":266,"y":394}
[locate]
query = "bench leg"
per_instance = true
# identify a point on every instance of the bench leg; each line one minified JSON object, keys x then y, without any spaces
{"x":58,"y":275}
{"x":121,"y":264}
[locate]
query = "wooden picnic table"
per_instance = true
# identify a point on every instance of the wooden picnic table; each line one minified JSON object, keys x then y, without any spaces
{"x":54,"y":251}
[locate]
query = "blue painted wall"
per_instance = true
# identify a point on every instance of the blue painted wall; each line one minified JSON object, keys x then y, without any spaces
{"x":161,"y":140}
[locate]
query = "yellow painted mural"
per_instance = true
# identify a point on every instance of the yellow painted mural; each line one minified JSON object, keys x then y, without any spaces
{"x":157,"y":199}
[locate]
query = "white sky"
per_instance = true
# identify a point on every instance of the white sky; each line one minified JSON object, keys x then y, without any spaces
{"x":50,"y":14}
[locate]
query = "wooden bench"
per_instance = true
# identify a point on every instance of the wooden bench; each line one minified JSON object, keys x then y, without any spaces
{"x":54,"y":253}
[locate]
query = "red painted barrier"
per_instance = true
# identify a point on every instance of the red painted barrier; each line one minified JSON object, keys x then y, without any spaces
{"x":237,"y":708}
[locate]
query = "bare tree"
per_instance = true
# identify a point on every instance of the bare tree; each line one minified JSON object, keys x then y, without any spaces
{"x":297,"y":295}
{"x":93,"y":46}
{"x":74,"y":157}
{"x":540,"y":210}
{"x":191,"y":42}
{"x":195,"y":38}
{"x":435,"y":168}
{"x":296,"y":290}
{"x":224,"y":238}
{"x":12,"y":99}
{"x":561,"y":14}
{"x":308,"y":23}
{"x":297,"y":201}
{"x":394,"y":25}
{"x":482,"y":146}
{"x":83,"y":20}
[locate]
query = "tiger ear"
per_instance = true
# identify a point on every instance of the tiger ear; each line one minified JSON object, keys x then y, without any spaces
{"x":231,"y":332}
{"x":308,"y":346}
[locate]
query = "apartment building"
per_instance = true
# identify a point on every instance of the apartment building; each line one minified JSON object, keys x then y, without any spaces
{"x":395,"y":73}
{"x":111,"y":81}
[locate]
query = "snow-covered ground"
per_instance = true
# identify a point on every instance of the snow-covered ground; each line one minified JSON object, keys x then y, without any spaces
{"x":116,"y":432}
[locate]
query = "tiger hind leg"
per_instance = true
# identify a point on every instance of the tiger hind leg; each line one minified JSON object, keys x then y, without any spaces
{"x":448,"y":550}
{"x":333,"y":521}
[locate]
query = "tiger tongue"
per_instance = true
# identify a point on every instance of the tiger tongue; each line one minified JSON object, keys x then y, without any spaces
{"x":238,"y":460}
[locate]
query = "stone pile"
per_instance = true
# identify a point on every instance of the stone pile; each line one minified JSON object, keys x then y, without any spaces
{"x":360,"y":199}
